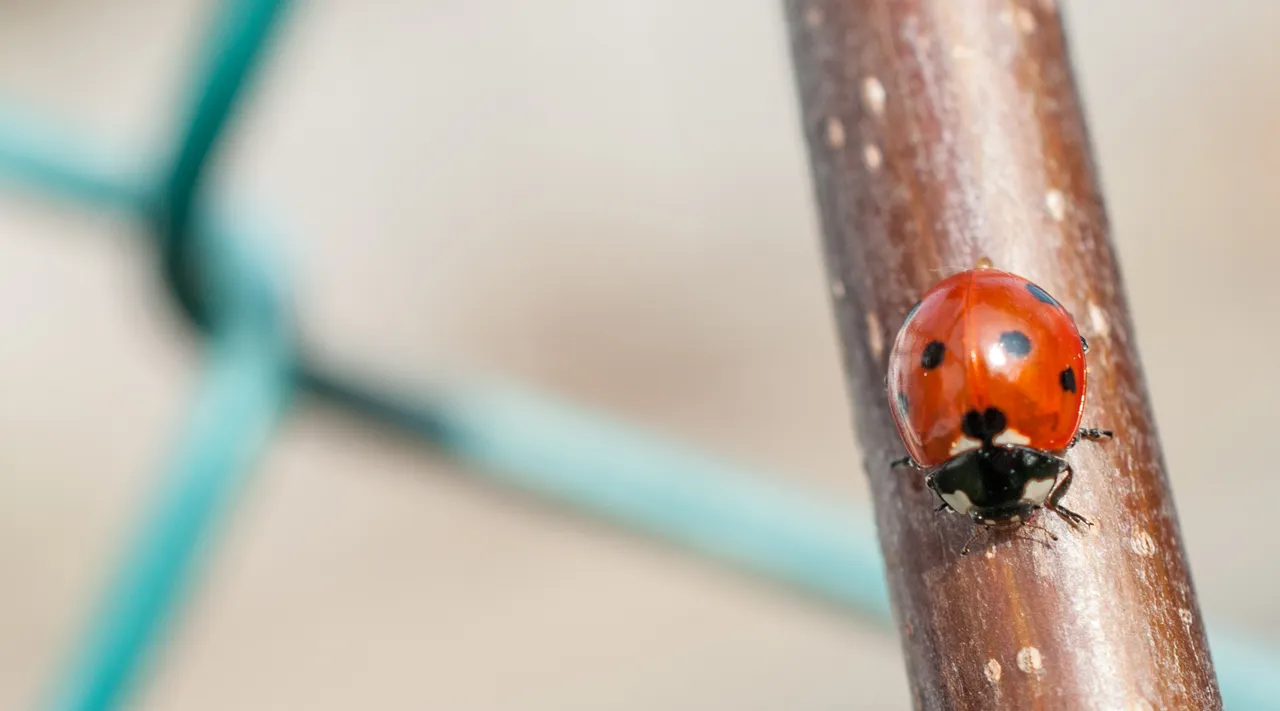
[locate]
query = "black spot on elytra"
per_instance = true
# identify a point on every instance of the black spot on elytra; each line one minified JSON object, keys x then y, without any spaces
{"x":902,"y":404}
{"x":933,"y":354}
{"x":1042,"y":295}
{"x":1067,"y":379}
{"x":983,"y":426}
{"x":1015,"y":343}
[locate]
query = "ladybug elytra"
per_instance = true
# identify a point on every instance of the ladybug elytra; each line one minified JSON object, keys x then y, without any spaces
{"x":986,"y":384}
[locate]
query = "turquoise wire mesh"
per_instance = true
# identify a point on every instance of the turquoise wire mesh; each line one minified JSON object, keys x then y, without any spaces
{"x":224,"y":277}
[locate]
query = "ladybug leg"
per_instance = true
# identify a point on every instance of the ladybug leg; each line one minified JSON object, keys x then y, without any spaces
{"x":1091,"y":434}
{"x":1059,"y":491}
{"x":972,"y":536}
{"x":1047,"y":532}
{"x":906,"y":461}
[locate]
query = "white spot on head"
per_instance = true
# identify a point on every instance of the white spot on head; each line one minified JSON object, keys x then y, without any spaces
{"x":813,"y":17}
{"x":964,"y":444}
{"x":1011,"y":436}
{"x":1056,"y":203}
{"x":873,"y":95}
{"x":1037,"y":490}
{"x":993,"y":669}
{"x":835,"y":132}
{"x":1029,"y":660}
{"x":1142,"y":543}
{"x":875,"y":337}
{"x":996,"y":356}
{"x":871,"y":157}
{"x":957,"y":500}
{"x":989,"y":521}
{"x":1026,"y":21}
{"x":1098,"y":319}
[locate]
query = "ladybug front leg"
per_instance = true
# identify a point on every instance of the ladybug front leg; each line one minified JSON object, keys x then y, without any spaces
{"x":906,"y":461}
{"x":1091,"y":434}
{"x":1059,"y":491}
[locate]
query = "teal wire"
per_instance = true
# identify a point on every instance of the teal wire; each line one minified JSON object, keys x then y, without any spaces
{"x":35,"y":152}
{"x":241,"y":398}
{"x":620,"y":473}
{"x":243,"y":30}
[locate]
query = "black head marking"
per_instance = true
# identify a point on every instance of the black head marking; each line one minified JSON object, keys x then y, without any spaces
{"x":902,"y":403}
{"x":1042,"y":295}
{"x":1015,"y":343}
{"x":983,"y":426}
{"x":933,"y":354}
{"x":1067,"y":379}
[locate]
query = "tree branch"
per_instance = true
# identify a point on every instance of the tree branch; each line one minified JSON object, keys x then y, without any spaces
{"x":941,"y":132}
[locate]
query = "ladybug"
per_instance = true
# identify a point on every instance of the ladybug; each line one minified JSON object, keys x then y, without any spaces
{"x":986,"y":383}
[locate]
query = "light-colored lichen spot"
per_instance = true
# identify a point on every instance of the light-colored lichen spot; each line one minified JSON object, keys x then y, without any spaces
{"x":875,"y":337}
{"x":1140,"y":704}
{"x":837,"y":288}
{"x":991,"y":554}
{"x":871,"y":157}
{"x":1142,"y":543}
{"x":992,"y":671}
{"x":835,"y":132}
{"x":1187,"y":617}
{"x":1025,"y":21}
{"x":1029,"y":660}
{"x":1098,"y":320}
{"x":1056,"y":203}
{"x":813,"y":17}
{"x":873,"y":96}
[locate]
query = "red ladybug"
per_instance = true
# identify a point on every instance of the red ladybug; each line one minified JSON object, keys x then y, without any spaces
{"x":987,"y":384}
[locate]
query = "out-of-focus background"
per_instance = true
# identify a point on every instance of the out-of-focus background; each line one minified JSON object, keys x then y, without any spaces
{"x":609,"y":200}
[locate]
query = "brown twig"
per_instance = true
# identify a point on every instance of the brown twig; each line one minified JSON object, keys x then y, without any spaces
{"x":940,"y":132}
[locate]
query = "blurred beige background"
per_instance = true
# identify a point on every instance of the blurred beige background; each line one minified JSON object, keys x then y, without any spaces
{"x":610,"y":200}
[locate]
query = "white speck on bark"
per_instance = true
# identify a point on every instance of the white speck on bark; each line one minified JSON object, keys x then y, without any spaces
{"x":873,"y":96}
{"x":872,"y":157}
{"x":813,"y":17}
{"x":875,"y":338}
{"x":1029,"y":660}
{"x":1142,"y":543}
{"x":1098,"y":319}
{"x":992,"y":670}
{"x":835,"y":133}
{"x":1056,"y":203}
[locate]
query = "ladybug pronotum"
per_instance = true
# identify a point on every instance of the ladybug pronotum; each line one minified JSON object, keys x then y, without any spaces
{"x":987,"y":384}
